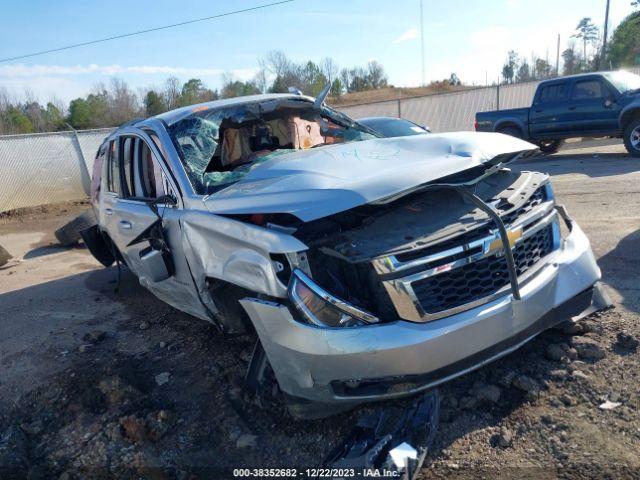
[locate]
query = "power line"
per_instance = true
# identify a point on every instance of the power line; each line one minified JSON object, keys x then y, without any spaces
{"x":140,"y":32}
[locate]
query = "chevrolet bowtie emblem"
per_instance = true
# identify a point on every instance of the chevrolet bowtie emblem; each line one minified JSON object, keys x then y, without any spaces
{"x":513,"y":236}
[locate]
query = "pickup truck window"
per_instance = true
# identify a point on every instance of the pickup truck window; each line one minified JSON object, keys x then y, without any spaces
{"x":587,"y":90}
{"x":553,"y":93}
{"x":625,"y":82}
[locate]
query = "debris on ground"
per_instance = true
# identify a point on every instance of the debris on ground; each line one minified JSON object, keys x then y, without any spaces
{"x":406,"y":427}
{"x":609,"y":405}
{"x":246,"y":440}
{"x":162,"y":378}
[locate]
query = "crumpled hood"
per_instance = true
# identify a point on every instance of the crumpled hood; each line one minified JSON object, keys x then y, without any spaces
{"x":322,"y":181}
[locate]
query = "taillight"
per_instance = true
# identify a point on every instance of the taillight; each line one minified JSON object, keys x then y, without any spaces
{"x":475,"y":125}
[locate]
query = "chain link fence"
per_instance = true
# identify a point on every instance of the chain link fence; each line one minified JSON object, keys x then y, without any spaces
{"x":43,"y":168}
{"x":448,"y":112}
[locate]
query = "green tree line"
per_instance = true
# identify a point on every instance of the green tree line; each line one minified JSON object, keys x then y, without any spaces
{"x":116,"y":103}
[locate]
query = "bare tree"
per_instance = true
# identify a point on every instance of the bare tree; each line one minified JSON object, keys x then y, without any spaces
{"x":377,"y":78}
{"x":260,"y":78}
{"x":123,"y":102}
{"x":278,"y":63}
{"x":171,"y":92}
{"x":329,"y":68}
{"x":345,"y":78}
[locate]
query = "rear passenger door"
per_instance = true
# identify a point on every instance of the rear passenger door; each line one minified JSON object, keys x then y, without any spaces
{"x":593,"y":107}
{"x":138,"y":176}
{"x":548,"y":116}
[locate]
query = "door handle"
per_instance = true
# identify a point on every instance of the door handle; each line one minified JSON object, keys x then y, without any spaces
{"x":538,"y":110}
{"x":572,"y":108}
{"x":125,"y":225}
{"x":108,"y":211}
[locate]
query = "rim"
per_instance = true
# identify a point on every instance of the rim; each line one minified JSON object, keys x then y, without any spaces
{"x":634,"y":138}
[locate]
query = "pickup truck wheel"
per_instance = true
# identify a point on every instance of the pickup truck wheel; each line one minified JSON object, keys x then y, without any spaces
{"x":632,"y":137}
{"x":550,"y":146}
{"x":511,"y":131}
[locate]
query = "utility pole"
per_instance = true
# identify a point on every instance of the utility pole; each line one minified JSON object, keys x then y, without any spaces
{"x":558,"y":57}
{"x":422,"y":41}
{"x":606,"y":30}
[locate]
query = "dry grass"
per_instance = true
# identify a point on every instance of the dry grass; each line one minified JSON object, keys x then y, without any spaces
{"x":393,"y":93}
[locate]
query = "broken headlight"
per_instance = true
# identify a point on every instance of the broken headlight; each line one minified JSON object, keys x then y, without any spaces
{"x":318,"y":307}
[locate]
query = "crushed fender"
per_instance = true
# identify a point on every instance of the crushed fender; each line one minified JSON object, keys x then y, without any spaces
{"x":390,"y":436}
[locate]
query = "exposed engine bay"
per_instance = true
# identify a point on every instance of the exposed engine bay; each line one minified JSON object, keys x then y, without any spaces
{"x":346,"y":248}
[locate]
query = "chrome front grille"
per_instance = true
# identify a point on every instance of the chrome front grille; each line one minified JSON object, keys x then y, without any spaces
{"x":477,"y":280}
{"x":471,"y":269}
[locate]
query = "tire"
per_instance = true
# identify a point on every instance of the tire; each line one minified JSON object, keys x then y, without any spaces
{"x":70,"y":233}
{"x":631,"y":137}
{"x":4,"y":256}
{"x":512,"y":131}
{"x":549,"y":147}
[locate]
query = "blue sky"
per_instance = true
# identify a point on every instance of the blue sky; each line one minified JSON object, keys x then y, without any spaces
{"x":469,"y":37}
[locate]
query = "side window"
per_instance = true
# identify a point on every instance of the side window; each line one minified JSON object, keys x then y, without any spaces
{"x":553,"y":93}
{"x":126,"y":154}
{"x":148,"y":179}
{"x":98,"y":177}
{"x":113,"y":169}
{"x":587,"y":90}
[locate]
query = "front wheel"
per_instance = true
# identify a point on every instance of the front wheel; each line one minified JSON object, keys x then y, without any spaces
{"x":549,"y":146}
{"x":632,"y":137}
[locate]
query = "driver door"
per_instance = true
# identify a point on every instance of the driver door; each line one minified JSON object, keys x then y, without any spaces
{"x":136,"y":176}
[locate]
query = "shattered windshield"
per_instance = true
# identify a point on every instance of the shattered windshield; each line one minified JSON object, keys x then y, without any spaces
{"x":219,"y":147}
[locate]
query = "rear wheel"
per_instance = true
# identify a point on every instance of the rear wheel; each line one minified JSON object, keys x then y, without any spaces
{"x":511,"y":131}
{"x":632,"y":137}
{"x":549,"y":146}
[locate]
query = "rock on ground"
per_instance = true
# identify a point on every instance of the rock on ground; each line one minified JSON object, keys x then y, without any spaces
{"x":588,"y":349}
{"x":627,"y":341}
{"x":526,"y":384}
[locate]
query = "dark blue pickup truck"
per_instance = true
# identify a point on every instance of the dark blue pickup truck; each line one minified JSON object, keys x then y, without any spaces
{"x":605,"y":104}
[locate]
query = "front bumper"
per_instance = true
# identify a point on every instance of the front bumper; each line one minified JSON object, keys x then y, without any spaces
{"x":399,"y":358}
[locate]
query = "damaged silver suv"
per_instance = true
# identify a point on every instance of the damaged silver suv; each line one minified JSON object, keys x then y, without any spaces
{"x":369,"y":268}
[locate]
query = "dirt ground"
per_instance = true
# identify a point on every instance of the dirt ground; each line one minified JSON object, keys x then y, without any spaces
{"x":101,"y":380}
